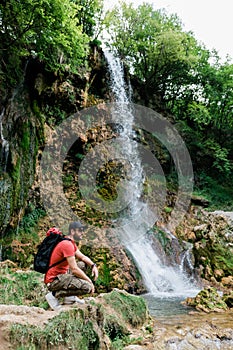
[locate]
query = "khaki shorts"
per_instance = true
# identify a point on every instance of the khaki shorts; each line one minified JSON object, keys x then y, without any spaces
{"x":67,"y":284}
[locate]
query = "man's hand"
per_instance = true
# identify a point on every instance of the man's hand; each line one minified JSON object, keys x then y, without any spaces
{"x":92,"y":289}
{"x":95,"y":272}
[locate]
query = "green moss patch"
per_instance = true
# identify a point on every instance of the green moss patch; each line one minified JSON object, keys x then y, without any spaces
{"x":69,"y":330}
{"x":132,"y":308}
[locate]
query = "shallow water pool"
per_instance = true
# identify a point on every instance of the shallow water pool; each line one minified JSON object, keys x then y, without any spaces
{"x":166,"y":306}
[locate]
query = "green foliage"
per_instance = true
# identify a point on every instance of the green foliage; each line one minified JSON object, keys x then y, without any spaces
{"x":69,"y":329}
{"x":29,"y":222}
{"x":20,"y":243}
{"x":20,"y":288}
{"x":223,"y":259}
{"x":162,"y":238}
{"x":218,"y":193}
{"x":153,"y":45}
{"x":114,"y":328}
{"x":105,"y":278}
{"x":45,"y":29}
{"x":89,"y":15}
{"x":188,"y":80}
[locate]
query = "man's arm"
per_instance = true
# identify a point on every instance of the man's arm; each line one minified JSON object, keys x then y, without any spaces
{"x":77,"y":271}
{"x":89,"y":262}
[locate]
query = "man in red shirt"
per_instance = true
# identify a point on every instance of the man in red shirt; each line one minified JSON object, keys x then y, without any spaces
{"x":67,"y":279}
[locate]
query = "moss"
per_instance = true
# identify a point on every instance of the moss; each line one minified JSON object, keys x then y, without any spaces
{"x":19,"y":245}
{"x":25,"y":138}
{"x":82,"y":328}
{"x":114,"y":328}
{"x":106,"y":266}
{"x":163,"y":239}
{"x":71,"y":330}
{"x":208,"y":300}
{"x":22,"y":287}
{"x":132,"y":308}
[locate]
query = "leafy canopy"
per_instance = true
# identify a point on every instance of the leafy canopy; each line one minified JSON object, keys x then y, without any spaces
{"x":54,"y":31}
{"x":189,"y":81}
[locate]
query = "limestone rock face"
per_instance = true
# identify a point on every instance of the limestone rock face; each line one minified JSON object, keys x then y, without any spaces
{"x":212,"y":237}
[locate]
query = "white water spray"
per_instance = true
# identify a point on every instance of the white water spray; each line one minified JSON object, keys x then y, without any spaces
{"x":159,"y":279}
{"x":5,"y":145}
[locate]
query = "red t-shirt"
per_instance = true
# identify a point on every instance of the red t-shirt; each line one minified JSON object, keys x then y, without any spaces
{"x":62,"y":250}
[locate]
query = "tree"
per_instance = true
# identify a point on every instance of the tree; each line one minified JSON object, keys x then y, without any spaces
{"x":46,"y":29}
{"x":153,"y":46}
{"x":189,"y":81}
{"x":89,"y":15}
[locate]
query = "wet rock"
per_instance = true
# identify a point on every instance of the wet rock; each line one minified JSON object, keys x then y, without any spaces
{"x":228,"y":299}
{"x":207,"y":300}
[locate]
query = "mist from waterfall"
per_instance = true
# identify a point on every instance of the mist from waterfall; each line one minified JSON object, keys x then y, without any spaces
{"x":159,"y":279}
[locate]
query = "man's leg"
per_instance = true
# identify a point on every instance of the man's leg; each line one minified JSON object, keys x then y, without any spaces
{"x":67,"y":285}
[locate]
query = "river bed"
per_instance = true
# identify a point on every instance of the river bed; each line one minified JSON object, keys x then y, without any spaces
{"x":179,"y":327}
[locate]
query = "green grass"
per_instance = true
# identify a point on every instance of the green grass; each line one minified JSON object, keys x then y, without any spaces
{"x":22,"y":288}
{"x":132,"y":308}
{"x":69,"y":330}
{"x":219,"y":194}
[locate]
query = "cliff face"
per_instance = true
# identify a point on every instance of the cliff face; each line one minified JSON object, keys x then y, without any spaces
{"x":39,"y":103}
{"x":39,"y":99}
{"x":22,"y":134}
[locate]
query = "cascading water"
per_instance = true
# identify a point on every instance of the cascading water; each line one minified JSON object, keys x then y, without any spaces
{"x":4,"y":144}
{"x":160,"y":280}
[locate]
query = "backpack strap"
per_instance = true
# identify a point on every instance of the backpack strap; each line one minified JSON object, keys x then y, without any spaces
{"x":58,"y":262}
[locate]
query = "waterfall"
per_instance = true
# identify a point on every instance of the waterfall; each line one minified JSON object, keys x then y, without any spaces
{"x":159,"y":279}
{"x":5,"y":145}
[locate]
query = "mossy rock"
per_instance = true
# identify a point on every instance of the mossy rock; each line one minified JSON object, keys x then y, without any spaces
{"x":208,"y":300}
{"x":132,"y":308}
{"x":96,"y":325}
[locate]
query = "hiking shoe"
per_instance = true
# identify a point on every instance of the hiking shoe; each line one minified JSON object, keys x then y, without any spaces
{"x":73,"y":299}
{"x":52,"y":301}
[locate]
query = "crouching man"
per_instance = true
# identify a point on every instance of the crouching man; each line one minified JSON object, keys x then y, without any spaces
{"x":67,"y":279}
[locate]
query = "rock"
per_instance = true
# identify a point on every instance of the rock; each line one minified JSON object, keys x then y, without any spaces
{"x":208,"y":300}
{"x":228,"y":299}
{"x":201,"y":228}
{"x":218,"y":273}
{"x":227,"y":281}
{"x":198,"y":200}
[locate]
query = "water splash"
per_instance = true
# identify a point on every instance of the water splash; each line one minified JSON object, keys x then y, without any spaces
{"x":186,"y":261}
